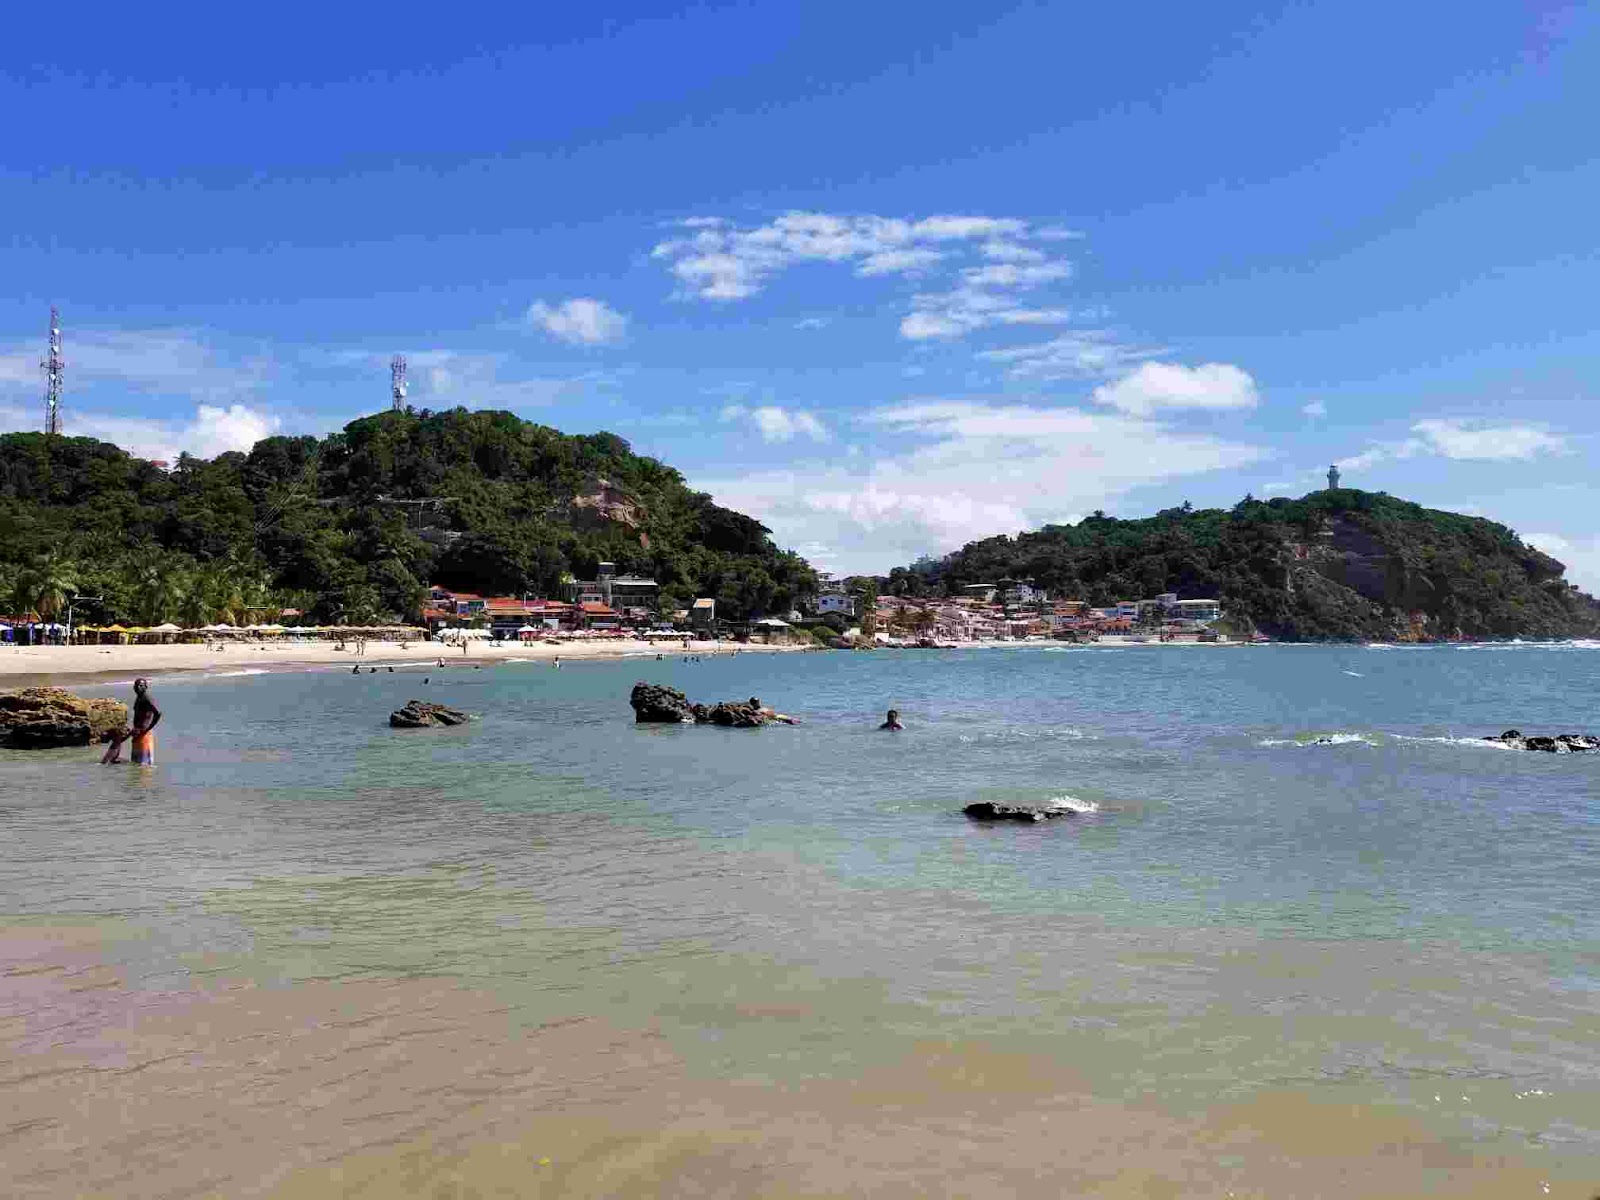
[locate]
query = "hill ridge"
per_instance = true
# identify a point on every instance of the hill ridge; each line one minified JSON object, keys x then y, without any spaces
{"x":353,"y":525}
{"x":1333,"y":564}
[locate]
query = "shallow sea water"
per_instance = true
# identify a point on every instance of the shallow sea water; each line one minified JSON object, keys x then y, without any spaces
{"x":1313,"y":939}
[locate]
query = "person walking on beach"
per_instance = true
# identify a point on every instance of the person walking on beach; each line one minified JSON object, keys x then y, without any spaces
{"x":893,"y":721}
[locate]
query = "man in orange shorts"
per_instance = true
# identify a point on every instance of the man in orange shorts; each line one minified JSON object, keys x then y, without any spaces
{"x":146,"y":716}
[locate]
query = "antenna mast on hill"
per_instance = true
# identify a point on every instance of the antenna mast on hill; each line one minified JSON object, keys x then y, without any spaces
{"x":397,"y":381}
{"x":53,"y":367}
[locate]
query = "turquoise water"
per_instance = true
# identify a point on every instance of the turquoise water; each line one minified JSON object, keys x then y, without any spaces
{"x":1396,"y":915}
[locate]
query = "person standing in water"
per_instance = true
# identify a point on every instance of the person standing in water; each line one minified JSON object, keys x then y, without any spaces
{"x":146,"y":716}
{"x":893,"y":721}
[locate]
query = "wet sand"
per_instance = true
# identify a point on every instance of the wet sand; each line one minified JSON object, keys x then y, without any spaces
{"x":386,"y":1087}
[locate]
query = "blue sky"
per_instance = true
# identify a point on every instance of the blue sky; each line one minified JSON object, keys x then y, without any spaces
{"x":889,"y":277}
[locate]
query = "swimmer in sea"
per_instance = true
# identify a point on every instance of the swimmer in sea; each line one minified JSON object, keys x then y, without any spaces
{"x":893,"y":721}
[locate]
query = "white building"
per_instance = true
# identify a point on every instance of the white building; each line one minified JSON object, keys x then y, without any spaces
{"x":1200,"y":610}
{"x":835,"y":602}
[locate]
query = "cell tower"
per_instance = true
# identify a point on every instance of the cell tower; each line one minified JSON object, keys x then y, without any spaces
{"x":53,"y":367}
{"x":397,"y":381}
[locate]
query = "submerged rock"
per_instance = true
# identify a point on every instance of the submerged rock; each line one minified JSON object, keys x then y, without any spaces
{"x":659,"y":703}
{"x":990,"y":810}
{"x":1561,"y":743}
{"x":419,"y":714}
{"x":46,"y":718}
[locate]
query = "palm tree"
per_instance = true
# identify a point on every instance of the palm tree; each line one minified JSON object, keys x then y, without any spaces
{"x":193,"y":610}
{"x":223,"y":590}
{"x":45,"y":585}
{"x":156,"y":592}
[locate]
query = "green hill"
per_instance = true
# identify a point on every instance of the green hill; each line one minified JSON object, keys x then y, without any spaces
{"x":1333,"y":564}
{"x":350,"y":527}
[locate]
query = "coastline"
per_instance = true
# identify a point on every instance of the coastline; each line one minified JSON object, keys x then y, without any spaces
{"x":23,"y":666}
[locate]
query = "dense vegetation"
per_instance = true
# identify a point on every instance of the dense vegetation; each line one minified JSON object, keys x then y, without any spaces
{"x":1333,"y":564}
{"x":350,"y":527}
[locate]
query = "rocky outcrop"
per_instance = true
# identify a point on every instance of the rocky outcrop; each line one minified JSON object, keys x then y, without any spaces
{"x":601,"y":501}
{"x":45,"y":718}
{"x":419,"y":714}
{"x":1561,"y":743}
{"x":736,"y":714}
{"x":654,"y":702}
{"x":990,"y":810}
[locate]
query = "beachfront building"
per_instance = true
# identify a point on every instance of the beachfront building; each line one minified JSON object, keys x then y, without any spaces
{"x":1019,"y":591}
{"x":613,"y":590}
{"x":835,"y":602}
{"x":703,"y":615}
{"x":509,"y":616}
{"x":634,"y":591}
{"x":593,"y":614}
{"x":1202,"y":611}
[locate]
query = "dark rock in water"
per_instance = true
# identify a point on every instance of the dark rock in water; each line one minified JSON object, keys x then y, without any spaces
{"x":659,"y":703}
{"x":1561,"y":743}
{"x":737,"y":714}
{"x":988,"y":810}
{"x":419,"y":714}
{"x":46,"y":718}
{"x":656,"y":702}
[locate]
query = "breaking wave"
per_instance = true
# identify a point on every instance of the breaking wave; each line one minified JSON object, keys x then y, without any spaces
{"x":1322,"y":739}
{"x":1481,"y":743}
{"x":1073,"y":804}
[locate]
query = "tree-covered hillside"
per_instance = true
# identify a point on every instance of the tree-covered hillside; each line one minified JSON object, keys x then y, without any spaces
{"x":1333,"y":564}
{"x":350,"y":527}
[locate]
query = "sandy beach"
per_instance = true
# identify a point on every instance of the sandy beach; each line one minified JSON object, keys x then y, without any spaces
{"x":22,"y":664}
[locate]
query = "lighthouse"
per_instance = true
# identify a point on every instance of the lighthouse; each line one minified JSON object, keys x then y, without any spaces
{"x":1333,"y":479}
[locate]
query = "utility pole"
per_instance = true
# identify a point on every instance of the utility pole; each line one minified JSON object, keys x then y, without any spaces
{"x":53,"y":367}
{"x":73,"y":602}
{"x":397,"y":382}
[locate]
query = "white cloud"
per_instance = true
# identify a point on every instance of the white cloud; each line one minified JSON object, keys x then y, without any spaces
{"x":967,"y":470}
{"x":777,"y":424}
{"x":1154,"y":386}
{"x":1455,"y":439}
{"x":174,"y":362}
{"x":719,"y":260}
{"x":811,"y":323}
{"x":1085,"y":354}
{"x":213,"y":430}
{"x":1580,"y":555}
{"x":1010,"y":252}
{"x":894,"y":262}
{"x":1463,"y":441}
{"x":1016,"y":275}
{"x":989,"y":268}
{"x":948,"y":228}
{"x":581,"y":321}
{"x":1315,"y":408}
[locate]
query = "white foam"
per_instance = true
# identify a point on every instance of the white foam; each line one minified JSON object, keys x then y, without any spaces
{"x":235,"y":674}
{"x":1355,"y":674}
{"x":1072,"y":804}
{"x":1322,"y":739}
{"x":1455,"y":741}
